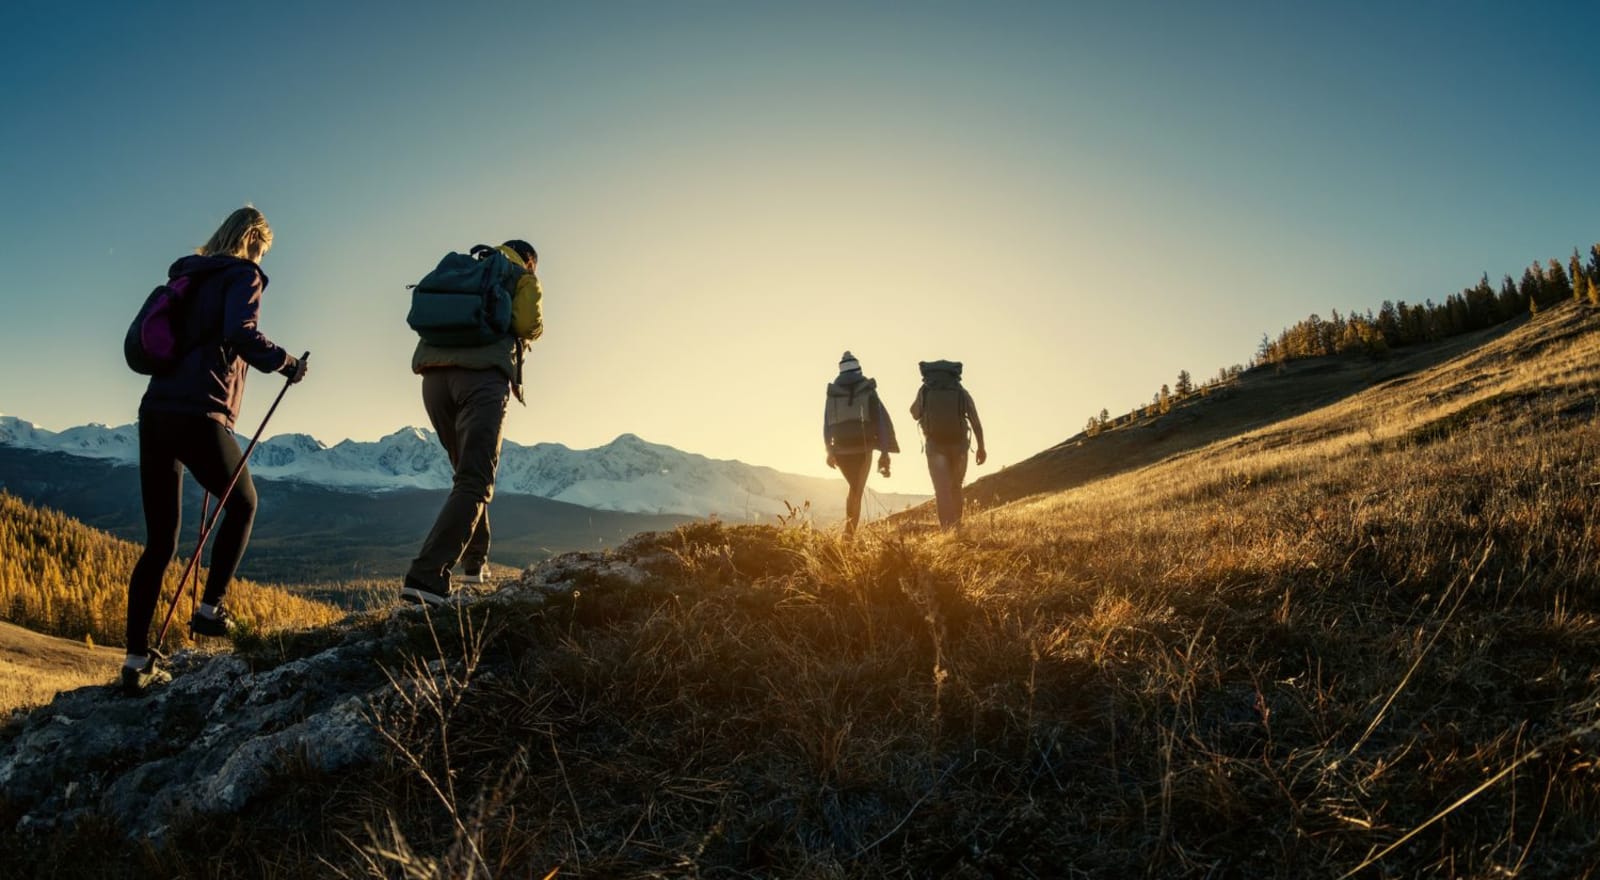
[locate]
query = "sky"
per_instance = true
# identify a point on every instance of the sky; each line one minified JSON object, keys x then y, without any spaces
{"x":1076,"y":200}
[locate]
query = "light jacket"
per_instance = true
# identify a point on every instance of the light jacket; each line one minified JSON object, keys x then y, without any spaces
{"x":221,"y":337}
{"x":505,"y":355}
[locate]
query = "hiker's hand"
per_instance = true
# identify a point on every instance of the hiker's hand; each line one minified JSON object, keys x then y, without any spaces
{"x":295,"y":368}
{"x":883,"y":464}
{"x":832,"y":461}
{"x":982,"y":455}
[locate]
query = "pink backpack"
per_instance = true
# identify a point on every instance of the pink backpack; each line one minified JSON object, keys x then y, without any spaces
{"x":154,"y":343}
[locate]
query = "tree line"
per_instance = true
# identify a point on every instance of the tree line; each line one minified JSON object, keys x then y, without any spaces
{"x":62,"y":578}
{"x":1396,"y":324}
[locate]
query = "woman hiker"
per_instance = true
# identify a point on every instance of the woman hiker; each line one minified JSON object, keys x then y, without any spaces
{"x":186,"y":420}
{"x":854,"y":423}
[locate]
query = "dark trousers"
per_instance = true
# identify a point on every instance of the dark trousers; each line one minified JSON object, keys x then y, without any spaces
{"x":947,"y":465}
{"x":167,"y":444}
{"x":856,"y":467}
{"x":468,"y":410}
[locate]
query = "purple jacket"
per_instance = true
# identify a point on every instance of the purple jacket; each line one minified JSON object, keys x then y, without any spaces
{"x":220,"y":331}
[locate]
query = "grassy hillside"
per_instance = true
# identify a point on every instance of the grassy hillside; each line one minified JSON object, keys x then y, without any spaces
{"x":1364,"y":639}
{"x":62,"y":578}
{"x":1258,"y":397}
{"x":34,"y":667}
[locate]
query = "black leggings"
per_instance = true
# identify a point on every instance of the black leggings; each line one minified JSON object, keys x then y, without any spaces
{"x":168,"y":443}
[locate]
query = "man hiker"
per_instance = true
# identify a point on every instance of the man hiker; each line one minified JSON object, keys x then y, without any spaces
{"x":944,"y":409}
{"x":468,"y":373}
{"x":854,"y":423}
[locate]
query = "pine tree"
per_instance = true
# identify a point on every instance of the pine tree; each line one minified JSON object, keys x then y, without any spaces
{"x":1185,"y":384}
{"x":1164,"y":400}
{"x":1389,"y":322}
{"x":1457,"y":318}
{"x":1311,"y":337}
{"x":1481,"y":306}
{"x":1511,"y":302}
{"x":1557,"y":286}
{"x":1580,"y":277}
{"x":1270,"y":352}
{"x":1331,"y":332}
{"x":1532,"y":288}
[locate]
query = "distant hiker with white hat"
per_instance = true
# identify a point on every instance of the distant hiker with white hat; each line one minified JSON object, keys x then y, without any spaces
{"x":475,"y":315}
{"x":854,"y":423}
{"x":945,"y":411}
{"x":186,"y":420}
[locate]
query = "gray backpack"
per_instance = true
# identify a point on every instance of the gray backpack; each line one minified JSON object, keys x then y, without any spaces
{"x":466,"y":300}
{"x":852,"y":422}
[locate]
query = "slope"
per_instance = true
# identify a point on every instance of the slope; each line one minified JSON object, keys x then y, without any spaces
{"x":1367,"y":632}
{"x":1259,"y":397}
{"x":35,"y":667}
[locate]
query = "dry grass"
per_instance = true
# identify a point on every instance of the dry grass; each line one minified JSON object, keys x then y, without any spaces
{"x":1273,"y":656}
{"x":34,"y":667}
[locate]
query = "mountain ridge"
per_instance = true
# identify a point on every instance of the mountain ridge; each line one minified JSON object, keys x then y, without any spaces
{"x":627,"y":475}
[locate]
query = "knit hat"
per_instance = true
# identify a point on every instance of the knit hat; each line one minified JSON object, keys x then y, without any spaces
{"x":848,"y":362}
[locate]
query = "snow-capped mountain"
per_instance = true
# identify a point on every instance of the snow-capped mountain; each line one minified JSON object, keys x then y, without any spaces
{"x":628,"y":474}
{"x":91,"y":441}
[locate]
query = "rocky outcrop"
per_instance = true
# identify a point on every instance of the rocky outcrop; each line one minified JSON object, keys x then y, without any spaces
{"x":207,"y":743}
{"x":229,"y":727}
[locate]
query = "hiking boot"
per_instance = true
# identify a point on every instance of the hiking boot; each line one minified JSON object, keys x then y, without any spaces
{"x":479,"y":575}
{"x":221,"y":625}
{"x":418,"y":593}
{"x":136,"y":682}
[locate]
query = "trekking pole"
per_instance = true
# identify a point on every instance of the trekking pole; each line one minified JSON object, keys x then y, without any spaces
{"x":194,"y":585}
{"x":216,"y":514}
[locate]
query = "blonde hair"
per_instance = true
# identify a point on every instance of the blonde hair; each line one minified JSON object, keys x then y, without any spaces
{"x":244,"y":228}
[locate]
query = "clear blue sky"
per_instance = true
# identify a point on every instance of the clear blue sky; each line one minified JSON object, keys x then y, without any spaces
{"x":1077,"y":200}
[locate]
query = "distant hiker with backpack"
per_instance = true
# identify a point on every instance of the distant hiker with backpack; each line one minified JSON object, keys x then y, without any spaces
{"x":944,"y":409}
{"x":854,"y":423}
{"x":475,"y":315}
{"x":208,"y":313}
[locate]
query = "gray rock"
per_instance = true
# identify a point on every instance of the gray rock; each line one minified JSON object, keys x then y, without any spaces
{"x":222,"y":734}
{"x":215,"y":738}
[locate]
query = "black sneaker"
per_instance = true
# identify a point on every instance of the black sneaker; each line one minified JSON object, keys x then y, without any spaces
{"x":479,"y":575}
{"x":136,"y":682}
{"x":418,"y":593}
{"x":217,"y":627}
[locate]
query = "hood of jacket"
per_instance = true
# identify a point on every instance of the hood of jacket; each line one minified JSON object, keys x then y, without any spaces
{"x":514,"y":257}
{"x":851,"y":383}
{"x":195,"y":264}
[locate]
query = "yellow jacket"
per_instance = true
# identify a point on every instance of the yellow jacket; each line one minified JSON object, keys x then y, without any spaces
{"x":505,"y":355}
